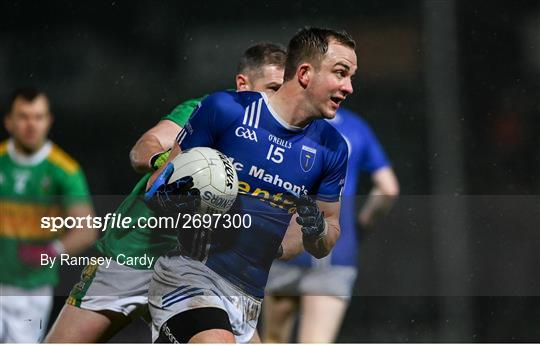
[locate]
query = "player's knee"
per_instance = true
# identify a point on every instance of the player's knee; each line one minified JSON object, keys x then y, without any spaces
{"x":284,"y":306}
{"x":77,"y":325}
{"x":273,"y":336}
{"x":197,"y":325}
{"x":213,"y":336}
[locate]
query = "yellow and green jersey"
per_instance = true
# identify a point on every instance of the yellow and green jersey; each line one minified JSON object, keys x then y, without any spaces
{"x":32,"y":187}
{"x":133,"y":241}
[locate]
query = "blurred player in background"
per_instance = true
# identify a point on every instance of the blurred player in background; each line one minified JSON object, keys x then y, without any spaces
{"x":318,"y":290}
{"x":289,"y":154}
{"x":107,"y":299}
{"x":37,"y":179}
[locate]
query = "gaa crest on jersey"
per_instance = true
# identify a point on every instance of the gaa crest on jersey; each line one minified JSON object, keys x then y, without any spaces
{"x":246,"y":133}
{"x":307,"y":157}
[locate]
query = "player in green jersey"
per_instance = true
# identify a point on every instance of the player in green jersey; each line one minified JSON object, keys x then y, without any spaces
{"x":37,"y":179}
{"x":107,"y":299}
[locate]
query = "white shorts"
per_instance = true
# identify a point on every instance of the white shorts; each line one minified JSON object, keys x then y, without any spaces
{"x":119,"y":288}
{"x":292,"y":280}
{"x":24,"y":313}
{"x":174,"y":276}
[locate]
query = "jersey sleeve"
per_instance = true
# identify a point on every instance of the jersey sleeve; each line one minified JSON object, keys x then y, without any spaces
{"x":75,"y":189}
{"x":373,"y":156}
{"x":208,"y":120}
{"x":180,"y":115}
{"x":334,"y":179}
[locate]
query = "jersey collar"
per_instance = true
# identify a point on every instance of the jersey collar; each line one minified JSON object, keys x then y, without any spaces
{"x":29,"y":160}
{"x":278,"y":118}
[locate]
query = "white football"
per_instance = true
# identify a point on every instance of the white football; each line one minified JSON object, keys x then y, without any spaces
{"x":213,"y":174}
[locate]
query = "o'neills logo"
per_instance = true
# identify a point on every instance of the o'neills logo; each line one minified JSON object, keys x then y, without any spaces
{"x":229,"y":170}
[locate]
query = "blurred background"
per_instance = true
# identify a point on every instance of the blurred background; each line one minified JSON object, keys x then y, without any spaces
{"x":450,"y":87}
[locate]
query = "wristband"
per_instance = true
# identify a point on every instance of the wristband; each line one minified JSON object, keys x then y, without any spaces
{"x":158,"y":159}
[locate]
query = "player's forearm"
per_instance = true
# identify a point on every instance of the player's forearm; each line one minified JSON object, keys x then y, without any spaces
{"x":291,"y":249}
{"x":292,"y":244}
{"x":376,"y":207}
{"x":381,"y":198}
{"x":176,"y":150}
{"x":145,"y":148}
{"x":321,"y":247}
{"x":156,"y":140}
{"x":76,"y":241}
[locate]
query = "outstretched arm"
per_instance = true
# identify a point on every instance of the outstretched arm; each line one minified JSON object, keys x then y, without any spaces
{"x":156,"y":140}
{"x":381,"y":197}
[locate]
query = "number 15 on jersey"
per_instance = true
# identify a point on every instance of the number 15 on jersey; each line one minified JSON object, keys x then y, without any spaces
{"x":275,"y":154}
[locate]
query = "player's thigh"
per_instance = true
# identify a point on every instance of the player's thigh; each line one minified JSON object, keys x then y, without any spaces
{"x":320,"y":318}
{"x":323,"y":304}
{"x":181,"y":286}
{"x":76,"y":325}
{"x":103,"y":302}
{"x":201,"y":325}
{"x":278,"y":318}
{"x":115,"y":287}
{"x":255,"y":339}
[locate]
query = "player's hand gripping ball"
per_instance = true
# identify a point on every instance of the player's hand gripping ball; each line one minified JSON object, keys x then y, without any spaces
{"x":310,"y":217}
{"x":201,"y":180}
{"x":168,"y":198}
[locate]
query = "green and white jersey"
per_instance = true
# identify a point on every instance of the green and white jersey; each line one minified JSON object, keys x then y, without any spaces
{"x":32,"y":187}
{"x":133,"y":241}
{"x":180,"y":115}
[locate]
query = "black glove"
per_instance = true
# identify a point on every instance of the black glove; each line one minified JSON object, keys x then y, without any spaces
{"x":176,"y":197}
{"x":310,"y":217}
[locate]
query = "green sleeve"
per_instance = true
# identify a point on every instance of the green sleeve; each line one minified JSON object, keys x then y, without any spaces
{"x":75,"y":188}
{"x":180,"y":115}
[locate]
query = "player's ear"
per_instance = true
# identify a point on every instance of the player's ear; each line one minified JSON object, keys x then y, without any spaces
{"x":51,"y":121}
{"x":242,"y":82}
{"x":303,"y":73}
{"x":7,"y":122}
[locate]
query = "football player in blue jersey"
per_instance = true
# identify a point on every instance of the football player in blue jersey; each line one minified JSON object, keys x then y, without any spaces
{"x":119,"y":294}
{"x":290,"y":163}
{"x":300,"y":286}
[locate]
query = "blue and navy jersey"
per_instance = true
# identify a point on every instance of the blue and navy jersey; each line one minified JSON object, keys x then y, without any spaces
{"x":275,"y":163}
{"x":365,"y":156}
